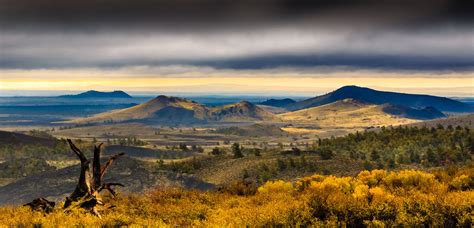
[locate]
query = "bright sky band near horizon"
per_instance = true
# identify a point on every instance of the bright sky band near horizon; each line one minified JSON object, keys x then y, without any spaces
{"x":226,"y":82}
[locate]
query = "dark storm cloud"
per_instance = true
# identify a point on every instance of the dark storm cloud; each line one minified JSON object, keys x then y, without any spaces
{"x":385,"y":62}
{"x":211,"y":13}
{"x":248,"y":34}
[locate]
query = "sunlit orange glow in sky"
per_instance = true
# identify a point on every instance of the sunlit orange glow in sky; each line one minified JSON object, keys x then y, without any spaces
{"x":454,"y":84}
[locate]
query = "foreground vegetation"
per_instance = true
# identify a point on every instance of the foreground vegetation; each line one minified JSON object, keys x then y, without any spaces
{"x":391,"y":148}
{"x":377,"y":197}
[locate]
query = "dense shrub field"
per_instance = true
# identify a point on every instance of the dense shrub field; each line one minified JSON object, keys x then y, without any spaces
{"x":377,"y":197}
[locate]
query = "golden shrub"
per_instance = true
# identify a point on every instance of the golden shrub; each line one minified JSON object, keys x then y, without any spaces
{"x":276,"y":187}
{"x":373,"y":198}
{"x":462,"y":182}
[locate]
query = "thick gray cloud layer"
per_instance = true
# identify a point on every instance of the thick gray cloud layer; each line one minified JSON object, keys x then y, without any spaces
{"x":209,"y":13}
{"x":404,"y":34}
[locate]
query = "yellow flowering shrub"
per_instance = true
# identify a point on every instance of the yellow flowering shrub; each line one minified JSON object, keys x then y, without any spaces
{"x":372,"y":198}
{"x":278,"y":186}
{"x":410,"y":179}
{"x":461,"y":182}
{"x":372,"y":178}
{"x":361,"y":191}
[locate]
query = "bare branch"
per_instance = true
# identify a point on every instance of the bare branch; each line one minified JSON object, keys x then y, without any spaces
{"x":83,"y":186}
{"x":76,"y":150}
{"x":108,"y":187}
{"x":109,"y":162}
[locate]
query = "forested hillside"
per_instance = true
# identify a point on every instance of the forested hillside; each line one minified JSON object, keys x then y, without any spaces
{"x":406,"y":145}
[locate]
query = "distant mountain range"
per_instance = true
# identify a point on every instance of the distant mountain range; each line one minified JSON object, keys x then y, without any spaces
{"x":164,"y":109}
{"x":98,"y":94}
{"x":347,"y":102}
{"x":380,"y":97}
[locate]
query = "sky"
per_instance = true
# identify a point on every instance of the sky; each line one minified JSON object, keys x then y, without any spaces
{"x":265,"y":47}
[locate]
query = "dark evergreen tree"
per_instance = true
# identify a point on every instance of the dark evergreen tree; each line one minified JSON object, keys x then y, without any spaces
{"x":237,"y":150}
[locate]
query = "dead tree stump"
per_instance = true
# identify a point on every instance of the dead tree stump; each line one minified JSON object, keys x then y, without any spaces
{"x":90,"y":183}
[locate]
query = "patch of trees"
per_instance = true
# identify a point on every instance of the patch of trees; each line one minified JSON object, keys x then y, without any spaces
{"x":184,"y":147}
{"x":390,"y":147}
{"x":126,"y":141}
{"x":283,"y":167}
{"x":188,"y":166}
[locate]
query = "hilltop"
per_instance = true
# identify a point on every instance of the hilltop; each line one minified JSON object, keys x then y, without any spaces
{"x":381,"y":97}
{"x":164,"y":109}
{"x":98,"y":94}
{"x":161,"y":108}
{"x":241,"y":111}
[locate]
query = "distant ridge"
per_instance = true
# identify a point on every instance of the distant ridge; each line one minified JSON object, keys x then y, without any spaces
{"x":172,"y":110}
{"x":381,"y":97}
{"x":98,"y":94}
{"x":281,"y":103}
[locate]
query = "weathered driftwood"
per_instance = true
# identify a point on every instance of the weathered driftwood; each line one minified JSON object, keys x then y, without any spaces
{"x":89,"y":185}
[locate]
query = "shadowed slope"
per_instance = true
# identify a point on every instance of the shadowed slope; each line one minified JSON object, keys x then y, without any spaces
{"x":12,"y":138}
{"x":281,"y":103}
{"x":427,"y":113}
{"x":138,"y":176}
{"x":381,"y":97}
